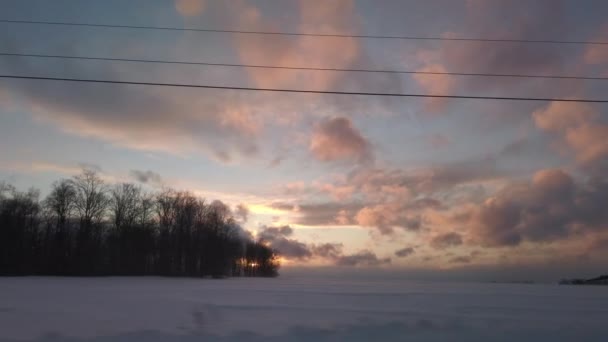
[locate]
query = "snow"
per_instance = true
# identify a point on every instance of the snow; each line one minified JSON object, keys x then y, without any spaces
{"x":296,"y":308}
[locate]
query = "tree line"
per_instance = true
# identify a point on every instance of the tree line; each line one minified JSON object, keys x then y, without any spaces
{"x":86,"y":227}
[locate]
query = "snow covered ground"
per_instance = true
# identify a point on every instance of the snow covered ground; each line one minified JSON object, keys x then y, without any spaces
{"x":296,"y":308}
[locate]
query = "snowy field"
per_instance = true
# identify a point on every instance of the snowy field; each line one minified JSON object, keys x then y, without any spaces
{"x":292,"y":308}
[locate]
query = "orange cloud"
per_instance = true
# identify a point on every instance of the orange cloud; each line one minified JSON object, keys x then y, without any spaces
{"x":153,"y":131}
{"x":242,"y":120}
{"x":436,"y":84}
{"x":387,"y":216}
{"x":559,"y":116}
{"x":190,"y":8}
{"x":590,"y":141}
{"x":578,"y":125}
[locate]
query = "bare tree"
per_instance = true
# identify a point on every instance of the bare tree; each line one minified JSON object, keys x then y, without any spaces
{"x":217,"y":214}
{"x":171,"y":233}
{"x":124,"y":204}
{"x":145,"y":209}
{"x":60,"y":201}
{"x":165,"y":207}
{"x":91,"y":200}
{"x":18,"y":231}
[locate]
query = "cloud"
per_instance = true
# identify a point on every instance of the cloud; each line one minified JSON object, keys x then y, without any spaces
{"x":404,"y":252}
{"x":336,"y":17}
{"x":190,"y":8}
{"x":294,"y":188}
{"x":383,"y":217}
{"x":343,"y":217}
{"x":446,"y":240}
{"x":560,"y":116}
{"x":337,"y":139}
{"x":339,"y":193}
{"x":501,"y":20}
{"x":242,"y":212}
{"x":465,"y":259}
{"x":386,"y":216}
{"x":328,"y":250}
{"x":579,"y":126}
{"x":600,"y":243}
{"x":436,"y":84}
{"x":271,"y":232}
{"x":590,"y":143}
{"x":597,"y":54}
{"x":362,"y":258}
{"x":390,"y":200}
{"x":386,"y":199}
{"x":278,"y":239}
{"x":146,"y":177}
{"x":397,"y":198}
{"x":552,"y":206}
{"x":495,"y":222}
{"x":374,"y":183}
{"x":314,"y":214}
{"x":180,"y":122}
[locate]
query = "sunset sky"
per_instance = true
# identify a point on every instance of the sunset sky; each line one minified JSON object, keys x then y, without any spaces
{"x":333,"y":180}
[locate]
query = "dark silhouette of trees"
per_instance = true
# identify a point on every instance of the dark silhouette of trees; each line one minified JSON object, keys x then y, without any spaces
{"x":19,"y":236}
{"x":59,"y":206}
{"x":86,"y":227}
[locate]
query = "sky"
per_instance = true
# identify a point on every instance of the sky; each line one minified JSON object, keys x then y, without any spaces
{"x":427,"y":185}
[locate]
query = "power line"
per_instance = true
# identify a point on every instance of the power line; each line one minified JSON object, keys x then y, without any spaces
{"x":278,"y":90}
{"x":298,"y":68}
{"x":168,"y":28}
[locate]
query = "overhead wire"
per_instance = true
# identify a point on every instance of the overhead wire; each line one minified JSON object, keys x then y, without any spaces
{"x":307,"y":34}
{"x":304,"y":91}
{"x":258,"y":66}
{"x":446,"y":96}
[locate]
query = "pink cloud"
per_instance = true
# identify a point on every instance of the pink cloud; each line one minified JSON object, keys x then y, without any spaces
{"x":579,"y":127}
{"x":560,"y":116}
{"x":597,"y":54}
{"x":488,"y":19}
{"x":590,"y":141}
{"x":338,"y":192}
{"x":314,"y":16}
{"x":337,"y":139}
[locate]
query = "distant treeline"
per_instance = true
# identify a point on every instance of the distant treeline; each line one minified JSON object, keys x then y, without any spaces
{"x":601,"y":280}
{"x":85,"y":227}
